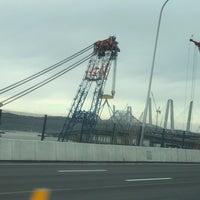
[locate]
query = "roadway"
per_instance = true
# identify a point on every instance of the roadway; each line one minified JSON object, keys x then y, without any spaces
{"x":97,"y":181}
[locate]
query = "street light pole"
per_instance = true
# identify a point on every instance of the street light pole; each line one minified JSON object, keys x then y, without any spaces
{"x":151,"y":76}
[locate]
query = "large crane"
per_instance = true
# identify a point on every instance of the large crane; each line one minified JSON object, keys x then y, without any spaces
{"x":196,"y":43}
{"x":104,"y":55}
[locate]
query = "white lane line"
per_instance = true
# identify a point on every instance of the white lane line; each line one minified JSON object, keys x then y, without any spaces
{"x":86,"y":164}
{"x":148,"y":179}
{"x":15,"y":192}
{"x":81,"y":170}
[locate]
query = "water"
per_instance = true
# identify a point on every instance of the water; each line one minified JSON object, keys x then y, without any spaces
{"x":24,"y":135}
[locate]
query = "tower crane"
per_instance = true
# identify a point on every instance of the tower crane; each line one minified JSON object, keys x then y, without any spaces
{"x":104,"y":56}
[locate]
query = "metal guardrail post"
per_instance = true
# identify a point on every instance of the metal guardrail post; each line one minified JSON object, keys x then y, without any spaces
{"x":44,"y":127}
{"x":0,"y":116}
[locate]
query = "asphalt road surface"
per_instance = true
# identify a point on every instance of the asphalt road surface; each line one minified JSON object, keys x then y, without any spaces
{"x":101,"y":181}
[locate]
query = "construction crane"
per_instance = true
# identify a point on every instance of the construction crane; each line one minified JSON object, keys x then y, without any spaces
{"x":104,"y":55}
{"x":196,"y":43}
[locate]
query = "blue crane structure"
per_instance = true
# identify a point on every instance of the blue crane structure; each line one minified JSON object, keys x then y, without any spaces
{"x":104,"y":55}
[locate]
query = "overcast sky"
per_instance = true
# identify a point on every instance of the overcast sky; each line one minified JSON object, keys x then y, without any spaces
{"x":36,"y":34}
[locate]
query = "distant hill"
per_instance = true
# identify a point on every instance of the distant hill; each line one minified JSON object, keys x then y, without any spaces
{"x":54,"y":125}
{"x":10,"y":121}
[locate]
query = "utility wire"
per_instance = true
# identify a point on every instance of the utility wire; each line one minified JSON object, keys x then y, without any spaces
{"x":44,"y":82}
{"x":40,"y":73}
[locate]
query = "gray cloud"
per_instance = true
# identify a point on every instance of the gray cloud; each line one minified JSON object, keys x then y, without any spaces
{"x":36,"y":34}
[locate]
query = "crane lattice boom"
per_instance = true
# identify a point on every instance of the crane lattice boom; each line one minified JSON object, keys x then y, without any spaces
{"x":104,"y":53}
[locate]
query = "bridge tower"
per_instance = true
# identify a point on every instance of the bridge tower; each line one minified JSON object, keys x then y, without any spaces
{"x":170,"y":108}
{"x":104,"y":55}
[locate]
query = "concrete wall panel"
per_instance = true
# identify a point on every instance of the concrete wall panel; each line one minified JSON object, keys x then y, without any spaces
{"x":23,"y":150}
{"x":68,"y":151}
{"x":192,"y":155}
{"x":45,"y":150}
{"x":5,"y":149}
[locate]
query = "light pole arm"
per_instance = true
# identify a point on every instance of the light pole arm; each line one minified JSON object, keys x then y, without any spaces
{"x":151,"y":75}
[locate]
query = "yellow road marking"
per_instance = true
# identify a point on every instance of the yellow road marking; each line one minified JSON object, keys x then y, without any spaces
{"x":40,"y":194}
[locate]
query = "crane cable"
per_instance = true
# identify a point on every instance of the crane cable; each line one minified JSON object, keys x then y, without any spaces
{"x":44,"y":82}
{"x":194,"y":71}
{"x":193,"y":77}
{"x":187,"y":77}
{"x":44,"y":71}
{"x":188,"y":61}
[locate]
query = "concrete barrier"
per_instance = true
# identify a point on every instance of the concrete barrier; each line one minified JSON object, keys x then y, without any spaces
{"x":5,"y":149}
{"x":31,"y":150}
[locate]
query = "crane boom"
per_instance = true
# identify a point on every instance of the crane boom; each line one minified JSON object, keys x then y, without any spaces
{"x":196,"y":43}
{"x":105,"y":52}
